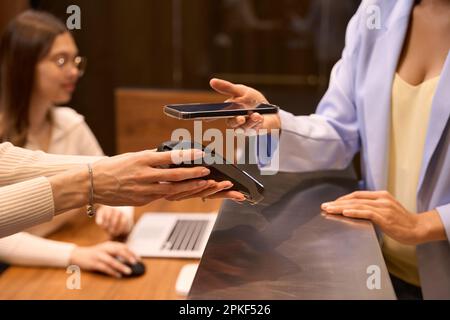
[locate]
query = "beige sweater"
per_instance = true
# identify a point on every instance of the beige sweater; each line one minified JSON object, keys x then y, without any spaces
{"x":26,"y":197}
{"x":70,"y":135}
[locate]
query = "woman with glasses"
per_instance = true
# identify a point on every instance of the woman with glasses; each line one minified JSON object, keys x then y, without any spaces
{"x":40,"y":67}
{"x":41,"y":61}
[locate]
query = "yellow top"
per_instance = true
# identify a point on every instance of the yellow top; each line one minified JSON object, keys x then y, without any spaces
{"x":411,"y":107}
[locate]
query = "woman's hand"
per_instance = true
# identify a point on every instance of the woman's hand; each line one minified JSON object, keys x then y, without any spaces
{"x":104,"y":258}
{"x":214,"y":190}
{"x":137,"y":178}
{"x":134,"y":179}
{"x":393,"y":219}
{"x":114,"y":221}
{"x":246,"y":95}
{"x":169,"y":183}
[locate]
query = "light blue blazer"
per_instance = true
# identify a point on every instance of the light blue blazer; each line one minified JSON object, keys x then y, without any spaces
{"x":354,"y":115}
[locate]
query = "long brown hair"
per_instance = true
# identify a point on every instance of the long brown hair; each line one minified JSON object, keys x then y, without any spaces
{"x":26,"y":40}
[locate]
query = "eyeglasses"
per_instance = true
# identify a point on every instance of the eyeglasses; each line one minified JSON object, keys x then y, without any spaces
{"x":78,"y":62}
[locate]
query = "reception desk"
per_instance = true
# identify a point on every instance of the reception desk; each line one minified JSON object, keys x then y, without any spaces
{"x":285,"y":248}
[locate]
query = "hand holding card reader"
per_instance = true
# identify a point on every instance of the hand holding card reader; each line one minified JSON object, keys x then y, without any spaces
{"x":221,"y":170}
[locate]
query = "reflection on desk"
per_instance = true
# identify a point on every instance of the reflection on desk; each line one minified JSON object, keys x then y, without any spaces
{"x":285,"y":248}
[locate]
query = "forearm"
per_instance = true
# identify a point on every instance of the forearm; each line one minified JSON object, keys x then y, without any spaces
{"x":70,"y":189}
{"x":27,"y":250}
{"x":25,"y":204}
{"x":430,"y":227}
{"x":17,"y":164}
{"x":33,"y":202}
{"x":311,"y":144}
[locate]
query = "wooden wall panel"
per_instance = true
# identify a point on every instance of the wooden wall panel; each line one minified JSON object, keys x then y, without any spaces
{"x":9,"y":9}
{"x":141,"y":123}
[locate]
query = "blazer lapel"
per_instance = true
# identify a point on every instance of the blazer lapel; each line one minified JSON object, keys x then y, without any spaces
{"x":440,"y":114}
{"x":380,"y":77}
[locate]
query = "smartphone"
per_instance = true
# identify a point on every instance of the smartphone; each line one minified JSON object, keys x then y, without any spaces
{"x":199,"y":111}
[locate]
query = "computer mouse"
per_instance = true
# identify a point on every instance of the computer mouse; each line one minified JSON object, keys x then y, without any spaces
{"x":137,"y":270}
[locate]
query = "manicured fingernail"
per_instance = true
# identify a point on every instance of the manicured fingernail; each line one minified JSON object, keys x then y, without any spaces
{"x":127,"y":270}
{"x":325,"y":205}
{"x":229,"y":186}
{"x":205,"y":172}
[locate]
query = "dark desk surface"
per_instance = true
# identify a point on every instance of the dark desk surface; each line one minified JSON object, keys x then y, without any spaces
{"x":285,"y":248}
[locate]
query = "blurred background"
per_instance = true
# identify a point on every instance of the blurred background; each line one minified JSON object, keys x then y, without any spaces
{"x":285,"y":48}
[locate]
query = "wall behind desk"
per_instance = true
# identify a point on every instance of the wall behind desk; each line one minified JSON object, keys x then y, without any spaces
{"x":141,"y":123}
{"x":179,"y":44}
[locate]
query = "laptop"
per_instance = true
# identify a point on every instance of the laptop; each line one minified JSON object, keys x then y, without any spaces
{"x":171,"y":235}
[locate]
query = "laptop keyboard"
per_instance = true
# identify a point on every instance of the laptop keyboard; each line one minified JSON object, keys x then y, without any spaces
{"x":186,"y":235}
